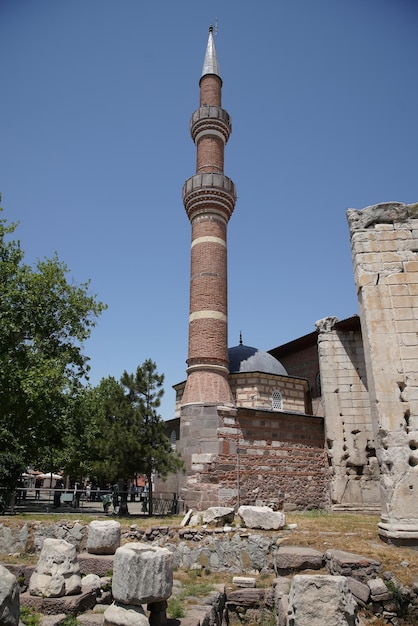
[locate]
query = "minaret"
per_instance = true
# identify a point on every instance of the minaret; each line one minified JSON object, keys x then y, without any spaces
{"x":209,"y":199}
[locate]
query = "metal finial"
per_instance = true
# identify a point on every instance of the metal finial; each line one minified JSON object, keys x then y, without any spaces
{"x":240,"y":338}
{"x":210,"y":64}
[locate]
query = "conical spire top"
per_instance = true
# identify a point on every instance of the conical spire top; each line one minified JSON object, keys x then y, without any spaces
{"x":210,"y":64}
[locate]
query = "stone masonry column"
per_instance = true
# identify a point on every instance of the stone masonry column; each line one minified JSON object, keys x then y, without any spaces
{"x":384,"y":241}
{"x":354,"y":469}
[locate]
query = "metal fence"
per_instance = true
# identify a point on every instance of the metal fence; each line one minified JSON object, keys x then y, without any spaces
{"x":46,"y":500}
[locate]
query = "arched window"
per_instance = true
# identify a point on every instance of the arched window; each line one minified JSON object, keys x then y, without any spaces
{"x":276,"y":401}
{"x":173,"y":439}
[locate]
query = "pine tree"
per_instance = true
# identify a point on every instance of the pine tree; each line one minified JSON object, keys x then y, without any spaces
{"x":144,"y":392}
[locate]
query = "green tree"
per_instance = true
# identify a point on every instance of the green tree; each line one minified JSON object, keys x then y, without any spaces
{"x":113,"y":448}
{"x":44,"y":322}
{"x":125,"y":435}
{"x":144,"y":392}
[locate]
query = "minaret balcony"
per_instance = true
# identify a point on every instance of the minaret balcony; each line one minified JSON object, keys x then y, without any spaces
{"x":210,"y":120}
{"x":210,"y":192}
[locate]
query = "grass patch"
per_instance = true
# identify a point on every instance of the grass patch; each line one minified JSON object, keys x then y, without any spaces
{"x":29,"y":617}
{"x":175,"y":608}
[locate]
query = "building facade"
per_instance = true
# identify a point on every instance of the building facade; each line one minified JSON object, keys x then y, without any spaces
{"x":329,"y":420}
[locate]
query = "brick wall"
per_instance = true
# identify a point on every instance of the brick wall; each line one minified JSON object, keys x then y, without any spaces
{"x":263,"y":458}
{"x":255,"y":390}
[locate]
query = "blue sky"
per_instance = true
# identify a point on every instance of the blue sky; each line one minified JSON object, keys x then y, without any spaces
{"x":95,"y":147}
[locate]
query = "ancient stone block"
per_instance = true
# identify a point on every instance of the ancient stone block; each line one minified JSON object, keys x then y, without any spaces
{"x":124,"y":615}
{"x":103,"y":537}
{"x":9,"y":598}
{"x":317,"y":600}
{"x":262,"y":517}
{"x":142,"y":574}
{"x":296,"y":558}
{"x":57,"y":572}
{"x":219,"y":515}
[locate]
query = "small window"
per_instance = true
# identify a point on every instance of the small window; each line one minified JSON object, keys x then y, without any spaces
{"x":318,"y":385}
{"x":276,"y":401}
{"x":173,"y":439}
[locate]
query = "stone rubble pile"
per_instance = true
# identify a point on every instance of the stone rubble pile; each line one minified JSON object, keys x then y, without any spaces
{"x":143,"y":575}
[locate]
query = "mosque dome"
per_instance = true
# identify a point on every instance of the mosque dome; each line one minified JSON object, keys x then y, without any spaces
{"x":246,"y":359}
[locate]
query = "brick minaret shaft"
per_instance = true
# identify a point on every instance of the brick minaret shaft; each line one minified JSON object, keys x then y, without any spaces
{"x":209,"y":199}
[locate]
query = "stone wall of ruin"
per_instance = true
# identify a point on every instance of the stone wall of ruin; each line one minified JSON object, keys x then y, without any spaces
{"x":384,"y":241}
{"x":354,"y":480}
{"x":259,"y":457}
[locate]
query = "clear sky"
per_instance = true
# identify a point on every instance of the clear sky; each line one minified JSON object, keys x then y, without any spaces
{"x":95,"y":147}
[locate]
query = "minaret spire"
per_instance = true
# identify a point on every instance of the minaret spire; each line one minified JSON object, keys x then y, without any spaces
{"x":209,"y":199}
{"x":210,"y":64}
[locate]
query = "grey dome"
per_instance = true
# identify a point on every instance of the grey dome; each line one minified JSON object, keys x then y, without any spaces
{"x":246,"y":359}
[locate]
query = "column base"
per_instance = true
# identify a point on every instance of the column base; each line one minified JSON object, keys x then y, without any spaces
{"x":399,"y":533}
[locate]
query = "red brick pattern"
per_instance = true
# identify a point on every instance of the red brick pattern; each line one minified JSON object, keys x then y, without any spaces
{"x":280,"y":459}
{"x":210,"y":90}
{"x":206,"y":203}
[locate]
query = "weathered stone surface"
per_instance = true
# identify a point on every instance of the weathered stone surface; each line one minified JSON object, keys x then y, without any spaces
{"x":186,"y":519}
{"x":13,"y":539}
{"x":9,"y":598}
{"x":65,"y":604}
{"x":124,"y":615}
{"x":359,"y":567}
{"x":23,"y":572}
{"x":91,"y":580}
{"x":57,"y":572}
{"x":99,"y":564}
{"x":261,"y":517}
{"x":378,"y":590}
{"x":142,"y":574}
{"x":360,"y":591}
{"x":383,"y":213}
{"x":384,"y":244}
{"x":219,"y":515}
{"x":90,"y":619}
{"x":245,"y":598}
{"x":103,"y":537}
{"x":296,"y":558}
{"x":281,"y":587}
{"x":243,"y":581}
{"x":317,"y":600}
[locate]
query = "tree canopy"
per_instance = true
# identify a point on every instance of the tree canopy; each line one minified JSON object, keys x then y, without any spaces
{"x":126,"y":435}
{"x":44,"y":322}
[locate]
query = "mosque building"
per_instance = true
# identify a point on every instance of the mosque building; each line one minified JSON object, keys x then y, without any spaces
{"x":329,"y":420}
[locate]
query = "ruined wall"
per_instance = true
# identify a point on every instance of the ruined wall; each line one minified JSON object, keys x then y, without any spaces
{"x":348,"y":433}
{"x":264,"y":457}
{"x":384,"y":241}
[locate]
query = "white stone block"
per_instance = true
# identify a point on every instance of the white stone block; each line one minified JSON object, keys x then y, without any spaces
{"x":317,"y":600}
{"x":261,"y":517}
{"x":121,"y":615}
{"x":103,"y":537}
{"x":142,"y":574}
